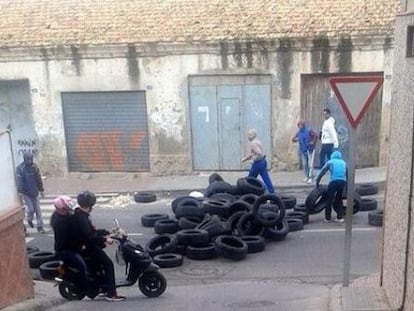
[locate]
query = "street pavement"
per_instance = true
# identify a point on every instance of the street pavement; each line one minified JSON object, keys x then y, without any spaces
{"x":363,"y":294}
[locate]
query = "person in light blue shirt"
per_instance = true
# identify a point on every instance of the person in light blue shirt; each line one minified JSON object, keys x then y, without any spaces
{"x":338,"y":170}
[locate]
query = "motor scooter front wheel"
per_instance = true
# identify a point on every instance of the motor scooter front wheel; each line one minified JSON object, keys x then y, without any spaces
{"x":69,"y":291}
{"x":152,"y":284}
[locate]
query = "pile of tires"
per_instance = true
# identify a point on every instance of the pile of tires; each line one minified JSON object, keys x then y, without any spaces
{"x":230,"y":221}
{"x":45,"y":261}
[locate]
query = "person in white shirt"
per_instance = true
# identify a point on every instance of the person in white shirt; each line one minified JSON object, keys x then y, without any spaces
{"x":329,"y":138}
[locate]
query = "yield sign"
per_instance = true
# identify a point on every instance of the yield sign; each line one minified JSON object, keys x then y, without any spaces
{"x":355,"y":93}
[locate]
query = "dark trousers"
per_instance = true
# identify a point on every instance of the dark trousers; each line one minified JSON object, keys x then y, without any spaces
{"x":100,"y":258}
{"x":75,"y":260}
{"x":335,"y":190}
{"x":325,"y":154}
{"x":260,"y":167}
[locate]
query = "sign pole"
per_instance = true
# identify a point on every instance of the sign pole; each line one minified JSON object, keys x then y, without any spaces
{"x":349,"y":206}
{"x":354,"y":94}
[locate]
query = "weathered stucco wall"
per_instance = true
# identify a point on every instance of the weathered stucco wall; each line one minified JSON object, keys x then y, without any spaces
{"x":162,"y":71}
{"x":16,"y":280}
{"x":397,"y":268}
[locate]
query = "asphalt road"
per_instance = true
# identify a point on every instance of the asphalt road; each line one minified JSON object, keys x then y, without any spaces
{"x":313,"y":256}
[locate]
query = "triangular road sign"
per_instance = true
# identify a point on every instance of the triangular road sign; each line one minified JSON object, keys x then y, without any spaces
{"x":355,"y":93}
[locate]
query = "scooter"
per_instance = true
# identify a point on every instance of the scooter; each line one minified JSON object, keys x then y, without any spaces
{"x":139,"y":267}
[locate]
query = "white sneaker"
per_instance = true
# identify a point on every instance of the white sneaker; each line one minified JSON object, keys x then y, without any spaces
{"x":327,"y":220}
{"x":340,"y":221}
{"x":309,"y":181}
{"x":305,"y":179}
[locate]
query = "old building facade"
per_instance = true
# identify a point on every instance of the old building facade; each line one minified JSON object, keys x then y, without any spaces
{"x":171,"y":87}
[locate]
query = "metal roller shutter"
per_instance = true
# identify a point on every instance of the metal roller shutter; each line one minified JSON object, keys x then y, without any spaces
{"x":106,"y":131}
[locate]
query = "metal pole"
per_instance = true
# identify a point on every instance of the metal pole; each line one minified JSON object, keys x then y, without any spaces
{"x":349,"y":205}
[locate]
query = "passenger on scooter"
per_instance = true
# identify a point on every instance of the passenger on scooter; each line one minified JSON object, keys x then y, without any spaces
{"x":92,"y":241}
{"x":65,"y":247}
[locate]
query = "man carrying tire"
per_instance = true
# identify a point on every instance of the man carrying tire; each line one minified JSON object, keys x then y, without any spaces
{"x":339,"y":172}
{"x":259,"y":165}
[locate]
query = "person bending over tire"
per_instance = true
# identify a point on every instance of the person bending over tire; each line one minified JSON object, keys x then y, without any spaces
{"x":259,"y":165}
{"x":339,"y":172}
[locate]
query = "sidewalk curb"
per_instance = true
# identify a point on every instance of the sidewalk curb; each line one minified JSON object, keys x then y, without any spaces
{"x":335,"y":301}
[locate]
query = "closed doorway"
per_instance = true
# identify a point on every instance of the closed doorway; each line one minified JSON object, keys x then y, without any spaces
{"x":223,"y":109}
{"x":106,"y":131}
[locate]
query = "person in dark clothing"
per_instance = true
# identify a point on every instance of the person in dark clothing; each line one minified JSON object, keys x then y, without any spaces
{"x":29,"y":185}
{"x":92,"y":241}
{"x":339,"y":172}
{"x":65,"y":247}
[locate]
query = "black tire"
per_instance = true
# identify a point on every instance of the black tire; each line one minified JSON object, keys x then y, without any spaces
{"x":70,"y":292}
{"x":295,"y":224}
{"x":278,"y":233}
{"x":301,"y":208}
{"x":48,"y":270}
{"x":215,"y":207}
{"x":218,"y":187}
{"x":161,"y":244}
{"x":194,"y":237}
{"x":289,"y":201}
{"x":250,"y":185}
{"x":224,"y":197}
{"x":249,"y":225}
{"x":238,"y":206}
{"x":214,"y":226}
{"x":189,"y":208}
{"x":249,"y":198}
{"x":355,"y":207}
{"x":300,"y":215}
{"x":316,"y":200}
{"x":277,"y":213}
{"x":174,"y":203}
{"x":231,"y":247}
{"x":375,"y":218}
{"x":188,"y":222}
{"x":168,"y":260}
{"x":152,"y":284}
{"x":233,"y":221}
{"x":149,"y":220}
{"x":144,"y":197}
{"x":366,"y":189}
{"x":31,"y":249}
{"x":214,"y":177}
{"x":202,"y":252}
{"x":255,"y":244}
{"x":368,"y":204}
{"x":166,"y":226}
{"x":40,"y":257}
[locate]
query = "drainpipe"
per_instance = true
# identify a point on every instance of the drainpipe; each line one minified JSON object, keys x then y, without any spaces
{"x":408,"y":236}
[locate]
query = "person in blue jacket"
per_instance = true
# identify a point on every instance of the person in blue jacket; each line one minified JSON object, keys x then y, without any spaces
{"x":339,"y":173}
{"x":306,"y":148}
{"x":29,"y":185}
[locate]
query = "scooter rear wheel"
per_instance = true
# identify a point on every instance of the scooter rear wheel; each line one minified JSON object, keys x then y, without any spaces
{"x":70,"y":292}
{"x":152,"y":284}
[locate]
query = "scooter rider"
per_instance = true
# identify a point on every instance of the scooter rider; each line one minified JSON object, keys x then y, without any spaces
{"x":92,"y":241}
{"x":65,"y":248}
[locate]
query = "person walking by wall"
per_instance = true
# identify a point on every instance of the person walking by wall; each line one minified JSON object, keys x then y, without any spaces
{"x":29,"y":185}
{"x":306,"y":139}
{"x":339,"y":173}
{"x":259,"y":165}
{"x":329,"y":138}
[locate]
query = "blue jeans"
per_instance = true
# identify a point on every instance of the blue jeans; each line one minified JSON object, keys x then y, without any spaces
{"x":32,"y":208}
{"x":305,"y":157}
{"x":260,"y":167}
{"x":325,"y":154}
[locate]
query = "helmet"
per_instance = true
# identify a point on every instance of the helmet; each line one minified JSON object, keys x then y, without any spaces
{"x":63,"y":204}
{"x":86,"y":199}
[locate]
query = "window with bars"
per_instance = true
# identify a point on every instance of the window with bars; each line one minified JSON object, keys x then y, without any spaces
{"x":410,"y":41}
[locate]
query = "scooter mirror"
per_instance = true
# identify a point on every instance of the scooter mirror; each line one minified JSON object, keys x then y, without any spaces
{"x":116,"y":222}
